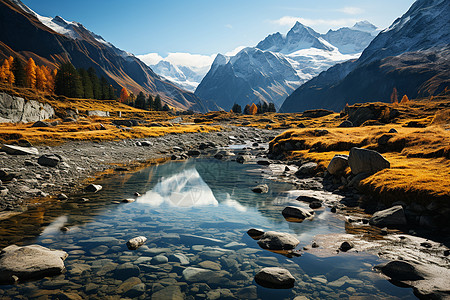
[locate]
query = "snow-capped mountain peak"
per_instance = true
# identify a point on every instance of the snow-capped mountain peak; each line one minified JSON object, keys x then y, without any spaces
{"x":366,"y":26}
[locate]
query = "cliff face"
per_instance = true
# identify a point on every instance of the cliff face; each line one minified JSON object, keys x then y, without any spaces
{"x":24,"y":35}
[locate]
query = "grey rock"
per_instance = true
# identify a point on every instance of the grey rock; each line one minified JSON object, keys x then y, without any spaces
{"x":136,"y":291}
{"x":337,"y":164}
{"x":136,"y":242}
{"x":49,"y":160}
{"x":366,"y":161}
{"x":41,"y":124}
{"x":18,"y":150}
{"x":391,"y":217}
{"x":159,"y":259}
{"x":274,"y":277}
{"x":261,"y":189}
{"x":296,"y":212}
{"x":273,"y":240}
{"x":392,"y":130}
{"x":429,"y":281}
{"x":126,"y":270}
{"x":242,"y":158}
{"x":30,"y":262}
{"x":307,"y":169}
{"x":179,"y":258}
{"x":255,"y":233}
{"x":172,"y":292}
{"x":315,"y":204}
{"x":15,"y":109}
{"x":93,"y":188}
{"x":345,"y":246}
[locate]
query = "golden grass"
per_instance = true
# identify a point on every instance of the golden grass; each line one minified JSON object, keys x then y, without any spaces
{"x":90,"y":129}
{"x":419,"y":157}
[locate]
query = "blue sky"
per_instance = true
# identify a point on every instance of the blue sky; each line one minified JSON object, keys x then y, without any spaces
{"x":208,"y":27}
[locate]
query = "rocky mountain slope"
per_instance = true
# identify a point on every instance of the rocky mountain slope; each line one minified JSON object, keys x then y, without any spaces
{"x":279,"y":64}
{"x":412,"y":56}
{"x":51,"y":41}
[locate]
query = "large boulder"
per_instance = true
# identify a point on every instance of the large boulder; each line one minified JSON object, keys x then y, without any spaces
{"x":338,"y":164}
{"x":273,"y":240}
{"x":49,"y":160}
{"x":297,"y":212}
{"x":366,"y":161}
{"x":391,"y":217}
{"x":17,"y":150}
{"x":275,"y":277}
{"x":29,"y":262}
{"x":429,"y":281}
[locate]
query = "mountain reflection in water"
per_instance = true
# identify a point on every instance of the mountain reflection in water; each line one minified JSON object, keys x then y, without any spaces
{"x":182,"y":189}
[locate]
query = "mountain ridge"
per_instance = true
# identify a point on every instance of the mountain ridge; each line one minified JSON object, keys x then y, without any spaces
{"x":412,"y":56}
{"x":274,"y":68}
{"x":49,"y":47}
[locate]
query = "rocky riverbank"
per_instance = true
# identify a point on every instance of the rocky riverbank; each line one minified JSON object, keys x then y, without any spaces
{"x":51,"y":171}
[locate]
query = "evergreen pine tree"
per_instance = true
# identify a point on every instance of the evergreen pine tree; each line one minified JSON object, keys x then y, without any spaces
{"x":96,"y":90}
{"x":149,"y":103}
{"x":157,"y":105}
{"x":237,"y":109}
{"x":112,"y":93}
{"x":140,"y":101}
{"x":104,"y":87}
{"x":68,"y":82}
{"x":19,"y":72}
{"x":259,"y":108}
{"x":88,"y":91}
{"x":247,"y":109}
{"x":271,"y":107}
{"x":264,"y":108}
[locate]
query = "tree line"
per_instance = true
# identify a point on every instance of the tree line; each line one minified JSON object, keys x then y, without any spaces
{"x":13,"y":72}
{"x":66,"y":80}
{"x":143,"y":102}
{"x":254,"y":109}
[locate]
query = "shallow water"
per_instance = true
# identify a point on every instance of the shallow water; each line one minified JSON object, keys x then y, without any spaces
{"x":196,"y":208}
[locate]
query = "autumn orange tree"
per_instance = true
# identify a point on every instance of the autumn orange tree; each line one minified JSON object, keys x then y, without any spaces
{"x":6,"y":73}
{"x":124,"y":95}
{"x":404,"y":100}
{"x":30,"y":71}
{"x":253,"y":110}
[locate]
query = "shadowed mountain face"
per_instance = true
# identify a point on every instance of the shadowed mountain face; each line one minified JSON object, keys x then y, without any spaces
{"x":412,"y":55}
{"x":52,"y":41}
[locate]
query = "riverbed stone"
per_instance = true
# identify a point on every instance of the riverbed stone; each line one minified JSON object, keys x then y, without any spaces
{"x":255,"y":233}
{"x":136,"y":242}
{"x":297,"y":212}
{"x":126,"y":270}
{"x":366,"y":161}
{"x":391,"y":217}
{"x":159,"y":259}
{"x":179,"y":258}
{"x":261,"y":189}
{"x":337,"y":164}
{"x":275,"y":277}
{"x":93,"y":188}
{"x":172,"y":292}
{"x":30,"y":262}
{"x":273,"y":240}
{"x":49,"y":160}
